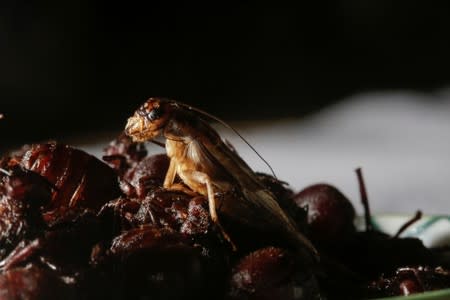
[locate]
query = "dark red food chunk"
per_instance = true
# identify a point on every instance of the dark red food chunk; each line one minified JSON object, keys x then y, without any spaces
{"x":330,"y":213}
{"x":120,"y":213}
{"x":268,"y":273}
{"x":22,"y":194}
{"x":409,"y":280}
{"x":157,"y":263}
{"x":33,"y":282}
{"x":145,"y":176}
{"x":146,"y":238}
{"x":122,"y":153}
{"x":81,"y":180}
{"x":176,"y":210}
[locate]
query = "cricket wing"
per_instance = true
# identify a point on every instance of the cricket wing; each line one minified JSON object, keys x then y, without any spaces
{"x":258,"y":205}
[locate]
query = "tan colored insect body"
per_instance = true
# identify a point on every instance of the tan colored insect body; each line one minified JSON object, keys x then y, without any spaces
{"x":207,"y":165}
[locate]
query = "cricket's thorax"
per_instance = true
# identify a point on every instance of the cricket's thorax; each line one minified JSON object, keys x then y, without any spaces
{"x":190,"y":160}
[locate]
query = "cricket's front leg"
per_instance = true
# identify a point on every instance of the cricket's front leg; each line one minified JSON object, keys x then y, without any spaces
{"x":170,"y":175}
{"x":203,"y":179}
{"x":170,"y":178}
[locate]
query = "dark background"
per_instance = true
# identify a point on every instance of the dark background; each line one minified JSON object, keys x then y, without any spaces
{"x":75,"y":67}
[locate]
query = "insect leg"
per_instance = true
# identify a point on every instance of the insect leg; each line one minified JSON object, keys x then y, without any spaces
{"x":204,"y":179}
{"x":182,"y":188}
{"x":170,"y":175}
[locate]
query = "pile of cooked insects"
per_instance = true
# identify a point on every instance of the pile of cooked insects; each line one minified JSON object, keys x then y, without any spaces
{"x":192,"y":223}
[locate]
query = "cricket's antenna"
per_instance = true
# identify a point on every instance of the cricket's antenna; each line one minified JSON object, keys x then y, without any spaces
{"x":158,"y":143}
{"x":212,"y":117}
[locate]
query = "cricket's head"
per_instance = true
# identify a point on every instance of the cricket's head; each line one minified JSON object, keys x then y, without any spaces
{"x":149,"y":119}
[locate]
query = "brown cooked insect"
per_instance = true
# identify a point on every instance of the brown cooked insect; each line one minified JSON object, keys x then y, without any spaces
{"x":80,"y":180}
{"x":207,"y":165}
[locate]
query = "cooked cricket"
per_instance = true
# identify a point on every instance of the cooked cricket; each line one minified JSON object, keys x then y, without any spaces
{"x":208,"y":166}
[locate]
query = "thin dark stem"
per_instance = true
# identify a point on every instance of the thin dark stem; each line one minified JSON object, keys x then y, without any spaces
{"x":414,"y":219}
{"x":364,"y":200}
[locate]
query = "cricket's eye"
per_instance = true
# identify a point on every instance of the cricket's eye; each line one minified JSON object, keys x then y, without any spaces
{"x":154,"y":114}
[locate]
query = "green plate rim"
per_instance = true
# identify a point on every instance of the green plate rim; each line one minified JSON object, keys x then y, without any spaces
{"x":433,"y":295}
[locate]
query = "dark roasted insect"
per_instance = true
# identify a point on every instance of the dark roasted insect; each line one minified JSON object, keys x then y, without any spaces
{"x":80,"y":180}
{"x":270,"y":273}
{"x":207,"y":165}
{"x":22,"y":193}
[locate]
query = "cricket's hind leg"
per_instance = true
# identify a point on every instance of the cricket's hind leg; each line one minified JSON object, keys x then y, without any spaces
{"x":196,"y":180}
{"x":204,"y":180}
